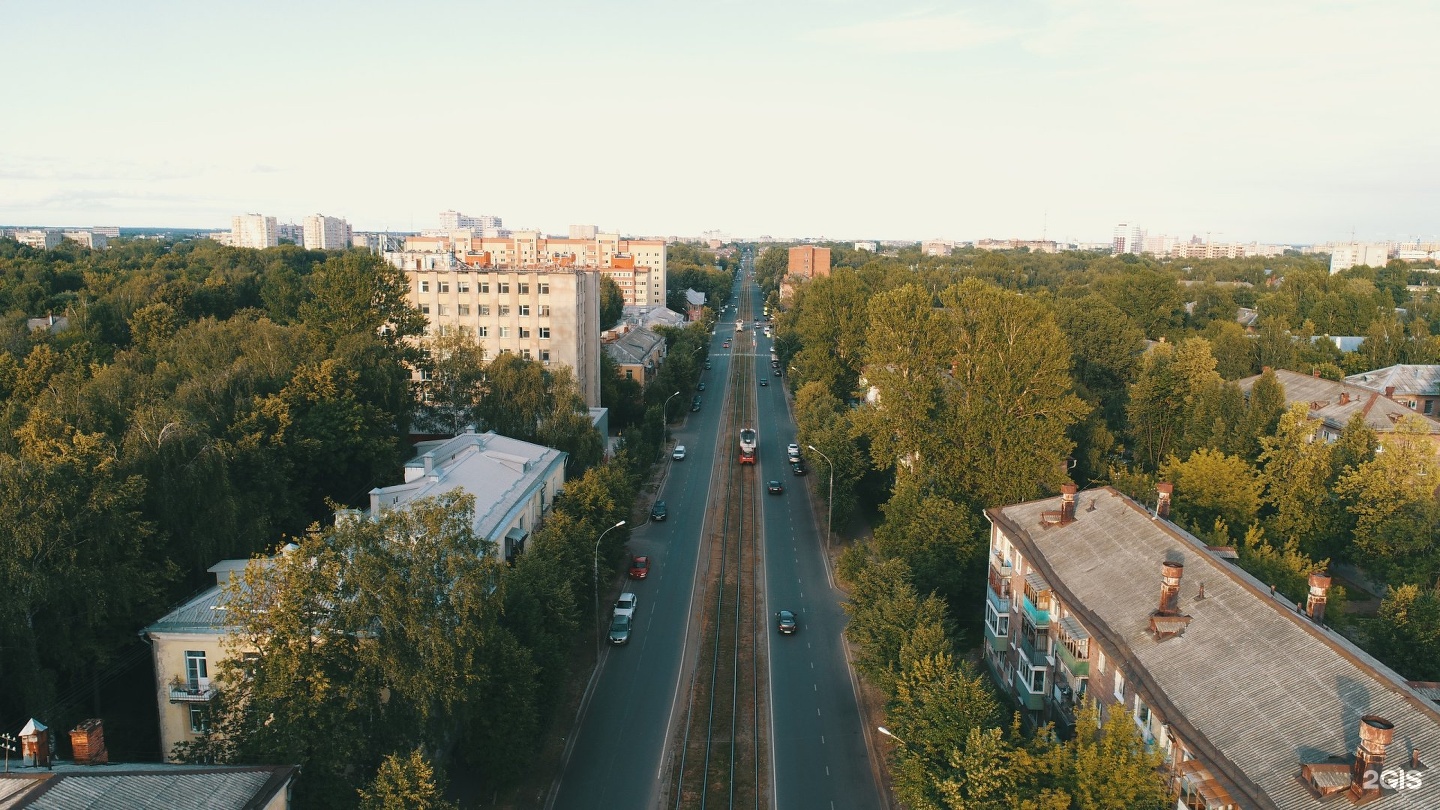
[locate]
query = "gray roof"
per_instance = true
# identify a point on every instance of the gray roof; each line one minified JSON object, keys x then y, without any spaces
{"x":635,"y":347}
{"x":694,"y":298}
{"x":499,"y":471}
{"x":142,"y":787}
{"x":1252,"y":686}
{"x":1406,"y":379}
{"x":205,"y":611}
{"x":1324,"y":398}
{"x":652,"y":316}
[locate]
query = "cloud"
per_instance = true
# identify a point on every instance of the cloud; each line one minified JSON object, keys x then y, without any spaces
{"x":915,"y":33}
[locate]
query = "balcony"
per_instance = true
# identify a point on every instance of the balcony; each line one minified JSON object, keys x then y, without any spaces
{"x":1073,"y":648}
{"x":1036,"y":646}
{"x":1037,"y":599}
{"x":999,"y":591}
{"x":997,"y":642}
{"x":1040,"y":616}
{"x":191,"y":693}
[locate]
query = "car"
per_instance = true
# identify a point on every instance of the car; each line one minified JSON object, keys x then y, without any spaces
{"x":657,"y":511}
{"x":797,"y":468}
{"x":792,"y":452}
{"x":620,"y":630}
{"x":764,"y":381}
{"x":639,"y":567}
{"x":725,"y":345}
{"x":695,"y":403}
{"x":777,"y":372}
{"x":625,"y":605}
{"x":775,"y":487}
{"x":679,"y":453}
{"x":784,"y":621}
{"x":707,"y":364}
{"x":700,"y":386}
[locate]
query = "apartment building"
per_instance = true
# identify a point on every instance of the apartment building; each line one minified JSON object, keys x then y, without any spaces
{"x":254,"y":231}
{"x":1417,"y":387}
{"x":90,"y":239}
{"x":326,"y":233}
{"x":1334,"y":403}
{"x":808,"y":261}
{"x":456,"y":221}
{"x":514,"y":484}
{"x":1355,"y":254}
{"x":638,"y":353}
{"x":40,"y":239}
{"x":1251,"y":699}
{"x":1032,"y":245}
{"x":546,"y":313}
{"x":1128,"y":238}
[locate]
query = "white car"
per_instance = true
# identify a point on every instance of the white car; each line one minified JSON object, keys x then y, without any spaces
{"x":625,"y":605}
{"x":679,"y":453}
{"x":792,"y":452}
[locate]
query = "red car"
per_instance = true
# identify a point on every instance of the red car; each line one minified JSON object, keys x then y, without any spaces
{"x":639,"y":567}
{"x":727,"y":344}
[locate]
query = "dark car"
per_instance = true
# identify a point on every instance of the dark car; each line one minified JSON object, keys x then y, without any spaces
{"x":784,"y":620}
{"x":707,"y":364}
{"x":620,"y":630}
{"x":657,"y":512}
{"x":639,"y":567}
{"x":695,"y":403}
{"x":764,"y":381}
{"x":797,"y":468}
{"x":700,"y":386}
{"x":775,"y":487}
{"x":777,"y":372}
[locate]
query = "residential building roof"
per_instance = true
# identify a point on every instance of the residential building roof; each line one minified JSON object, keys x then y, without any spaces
{"x":500,"y":472}
{"x":147,"y":786}
{"x":205,"y":611}
{"x":1335,"y":403}
{"x":651,"y":316}
{"x":694,"y":298}
{"x":1252,"y":686}
{"x":636,"y":347}
{"x":1405,"y":379}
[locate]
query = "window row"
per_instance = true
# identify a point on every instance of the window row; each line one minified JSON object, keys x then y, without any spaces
{"x":523,"y":332}
{"x":502,"y":287}
{"x":484,"y":310}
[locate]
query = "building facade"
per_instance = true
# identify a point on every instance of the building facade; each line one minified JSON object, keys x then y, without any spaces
{"x":548,"y":314}
{"x":638,"y":353}
{"x":808,"y":261}
{"x":326,"y":233}
{"x":456,"y":221}
{"x":1251,"y":699}
{"x":1355,"y":254}
{"x":39,"y":239}
{"x":1417,"y":387}
{"x":254,"y":231}
{"x":1128,"y":238}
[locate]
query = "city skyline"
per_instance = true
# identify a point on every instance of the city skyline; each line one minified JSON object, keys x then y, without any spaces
{"x":1293,"y":123}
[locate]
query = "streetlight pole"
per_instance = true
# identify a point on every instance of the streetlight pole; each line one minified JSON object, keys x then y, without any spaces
{"x":597,"y":588}
{"x":830,"y":510}
{"x":886,"y":732}
{"x":666,"y":414}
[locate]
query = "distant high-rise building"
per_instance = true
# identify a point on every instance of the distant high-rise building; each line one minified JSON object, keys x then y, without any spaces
{"x":1355,"y":254}
{"x":808,"y":261}
{"x":870,"y":246}
{"x":937,"y":247}
{"x":107,"y":231}
{"x":90,"y":239}
{"x":39,"y":239}
{"x":254,"y":231}
{"x":377,"y":242}
{"x":485,"y":224}
{"x":583,"y":231}
{"x":1129,"y":238}
{"x":326,"y":233}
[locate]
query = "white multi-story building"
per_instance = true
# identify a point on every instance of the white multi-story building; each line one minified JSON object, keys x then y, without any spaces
{"x":870,"y":246}
{"x":583,"y":231}
{"x":1355,"y":254}
{"x":1128,"y":238}
{"x":550,"y":314}
{"x":90,"y":239}
{"x":39,"y":239}
{"x":485,"y":223}
{"x":326,"y":233}
{"x":254,"y":231}
{"x":107,"y":231}
{"x":377,"y":242}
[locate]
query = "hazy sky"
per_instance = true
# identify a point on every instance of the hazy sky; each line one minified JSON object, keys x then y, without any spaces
{"x":1277,"y":120}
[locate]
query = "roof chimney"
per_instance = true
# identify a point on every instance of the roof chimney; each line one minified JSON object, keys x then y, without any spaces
{"x":1389,"y":391}
{"x":1162,"y":505}
{"x":1344,"y":397}
{"x":1315,"y":373}
{"x":1319,"y":592}
{"x":1067,"y":502}
{"x":35,"y":744}
{"x":1170,"y":574}
{"x":1375,"y":734}
{"x":87,"y":742}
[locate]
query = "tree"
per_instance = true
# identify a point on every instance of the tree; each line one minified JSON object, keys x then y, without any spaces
{"x":884,"y":612}
{"x":1172,"y":385}
{"x":453,"y":383}
{"x":1106,"y":764}
{"x":1296,"y":474}
{"x":1211,"y":486}
{"x":1406,"y":634}
{"x":939,"y":540}
{"x":612,"y":303}
{"x":1106,"y":351}
{"x":1401,"y":472}
{"x":405,"y":783}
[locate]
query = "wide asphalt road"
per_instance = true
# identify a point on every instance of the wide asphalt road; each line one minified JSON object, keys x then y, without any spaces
{"x":818,"y":748}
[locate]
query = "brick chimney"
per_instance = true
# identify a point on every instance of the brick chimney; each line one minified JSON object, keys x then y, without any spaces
{"x":1319,"y":592}
{"x":1344,"y":397}
{"x":1389,"y":392}
{"x":1067,"y":502}
{"x":1315,"y":373}
{"x":1170,"y":574}
{"x":1162,"y":505}
{"x":1375,"y":734}
{"x":35,"y":744}
{"x":87,"y":742}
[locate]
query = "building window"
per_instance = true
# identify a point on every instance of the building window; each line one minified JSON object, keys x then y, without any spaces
{"x":629,"y":373}
{"x":462,"y":309}
{"x":999,"y":623}
{"x":1037,"y":681}
{"x":1099,"y":660}
{"x":462,"y":286}
{"x":424,"y":286}
{"x":439,"y":309}
{"x":544,"y":287}
{"x":482,"y":331}
{"x":544,"y":333}
{"x":1429,"y":406}
{"x":524,"y":310}
{"x":545,"y":356}
{"x":544,"y":310}
{"x":504,"y":310}
{"x":484,"y":286}
{"x":504,"y":332}
{"x":1119,"y":686}
{"x":484,"y":310}
{"x":424,"y":309}
{"x":504,"y":287}
{"x":1142,"y":715}
{"x":198,"y":724}
{"x":196,"y":673}
{"x":523,"y":288}
{"x":524,"y":332}
{"x":525,"y":354}
{"x":444,"y":286}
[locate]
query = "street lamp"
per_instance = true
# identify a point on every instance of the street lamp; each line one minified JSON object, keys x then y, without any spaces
{"x":886,"y":732}
{"x":830,"y":511}
{"x":597,"y":587}
{"x":666,"y":414}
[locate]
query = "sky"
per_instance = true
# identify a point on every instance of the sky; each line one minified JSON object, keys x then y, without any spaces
{"x":1294,"y":121}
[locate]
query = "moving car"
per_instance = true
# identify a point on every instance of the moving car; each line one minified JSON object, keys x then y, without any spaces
{"x":764,"y":381}
{"x":785,"y":621}
{"x":657,"y":512}
{"x":792,"y":452}
{"x":797,"y":468}
{"x":775,"y":487}
{"x":625,"y":605}
{"x":679,"y":454}
{"x":620,"y":630}
{"x":726,"y":344}
{"x":707,"y":364}
{"x":695,"y":403}
{"x":639,"y":567}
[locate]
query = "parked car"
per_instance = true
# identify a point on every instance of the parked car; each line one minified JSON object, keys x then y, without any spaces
{"x":792,"y":452}
{"x":620,"y":630}
{"x":797,"y":468}
{"x":625,"y":605}
{"x":785,"y":622}
{"x":707,"y":364}
{"x":700,"y":386}
{"x":775,"y":487}
{"x":679,"y":454}
{"x":639,"y":567}
{"x":657,"y":512}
